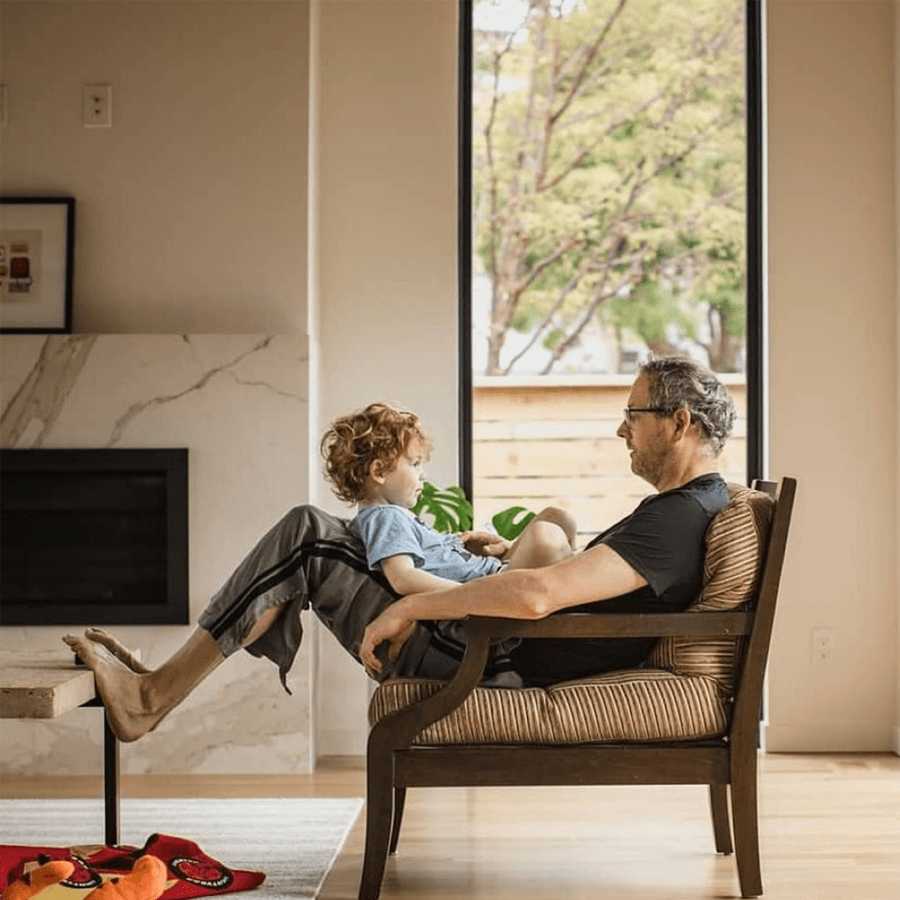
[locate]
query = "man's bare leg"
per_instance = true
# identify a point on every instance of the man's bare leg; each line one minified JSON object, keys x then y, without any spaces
{"x":119,"y":650}
{"x":136,"y":702}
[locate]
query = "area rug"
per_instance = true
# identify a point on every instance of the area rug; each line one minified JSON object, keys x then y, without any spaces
{"x":294,"y":841}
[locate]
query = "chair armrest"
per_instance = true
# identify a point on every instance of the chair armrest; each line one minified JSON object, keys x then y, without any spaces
{"x":582,"y":625}
{"x":397,"y":729}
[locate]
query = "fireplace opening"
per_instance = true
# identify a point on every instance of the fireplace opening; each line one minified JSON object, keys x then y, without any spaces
{"x":93,"y":537}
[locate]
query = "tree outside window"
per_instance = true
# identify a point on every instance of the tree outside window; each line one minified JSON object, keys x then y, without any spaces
{"x":608,"y":183}
{"x":609,"y":216}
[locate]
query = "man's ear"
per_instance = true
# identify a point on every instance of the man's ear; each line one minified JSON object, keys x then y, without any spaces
{"x":682,"y":419}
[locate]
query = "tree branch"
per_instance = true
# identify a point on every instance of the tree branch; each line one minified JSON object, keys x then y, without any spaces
{"x":589,"y":58}
{"x":567,"y":289}
{"x":546,"y":186}
{"x":587,"y":313}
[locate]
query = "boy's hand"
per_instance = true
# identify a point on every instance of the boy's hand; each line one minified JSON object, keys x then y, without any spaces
{"x":483,"y":543}
{"x":392,"y":626}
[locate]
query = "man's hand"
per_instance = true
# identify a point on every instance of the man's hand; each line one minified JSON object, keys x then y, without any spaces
{"x":483,"y":543}
{"x":392,"y":626}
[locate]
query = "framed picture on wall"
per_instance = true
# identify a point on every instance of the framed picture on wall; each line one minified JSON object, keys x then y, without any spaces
{"x":36,"y":255}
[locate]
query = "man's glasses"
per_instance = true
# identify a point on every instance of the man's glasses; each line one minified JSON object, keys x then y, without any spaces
{"x":629,"y":412}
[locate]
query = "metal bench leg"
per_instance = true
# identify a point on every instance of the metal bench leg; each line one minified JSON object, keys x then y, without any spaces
{"x":110,"y":783}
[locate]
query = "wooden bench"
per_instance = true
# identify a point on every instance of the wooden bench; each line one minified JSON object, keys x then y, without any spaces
{"x":47,"y":685}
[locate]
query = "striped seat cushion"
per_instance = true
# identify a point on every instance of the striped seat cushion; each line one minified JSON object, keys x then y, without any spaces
{"x":731,"y":569}
{"x":631,"y":705}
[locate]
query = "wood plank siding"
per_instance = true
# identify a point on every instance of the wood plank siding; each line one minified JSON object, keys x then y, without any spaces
{"x":554,"y":443}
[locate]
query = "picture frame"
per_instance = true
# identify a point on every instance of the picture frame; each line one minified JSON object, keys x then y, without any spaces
{"x":37,"y":249}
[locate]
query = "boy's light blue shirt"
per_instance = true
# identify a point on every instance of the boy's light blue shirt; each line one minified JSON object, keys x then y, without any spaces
{"x":391,"y":530}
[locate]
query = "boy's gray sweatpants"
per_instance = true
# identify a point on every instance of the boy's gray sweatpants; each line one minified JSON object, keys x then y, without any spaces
{"x":312,"y":559}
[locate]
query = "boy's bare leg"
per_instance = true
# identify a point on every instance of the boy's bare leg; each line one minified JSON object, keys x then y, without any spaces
{"x":548,"y":538}
{"x":136,"y":702}
{"x":560,"y":518}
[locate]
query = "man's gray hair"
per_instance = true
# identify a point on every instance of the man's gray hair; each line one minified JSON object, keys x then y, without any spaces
{"x":676,"y":382}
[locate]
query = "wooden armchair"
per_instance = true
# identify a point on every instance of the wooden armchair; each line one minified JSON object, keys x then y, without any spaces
{"x":690,"y":715}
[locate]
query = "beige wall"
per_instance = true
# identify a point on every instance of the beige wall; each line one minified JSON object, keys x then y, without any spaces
{"x":834,"y":353}
{"x":897,"y":301}
{"x":385,"y":260}
{"x":191,"y":209}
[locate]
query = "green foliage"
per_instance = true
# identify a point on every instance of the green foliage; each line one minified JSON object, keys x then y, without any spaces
{"x":449,"y":508}
{"x":452,"y":512}
{"x":510,"y":523}
{"x":524,"y":319}
{"x":553,"y":338}
{"x":649,"y":311}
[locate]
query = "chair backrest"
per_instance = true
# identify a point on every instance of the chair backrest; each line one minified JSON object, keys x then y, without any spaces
{"x":736,"y":545}
{"x":745,"y":717}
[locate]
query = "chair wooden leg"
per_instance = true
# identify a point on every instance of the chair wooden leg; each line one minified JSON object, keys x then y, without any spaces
{"x":379,"y":796}
{"x":399,"y":803}
{"x":718,"y":804}
{"x":746,"y":827}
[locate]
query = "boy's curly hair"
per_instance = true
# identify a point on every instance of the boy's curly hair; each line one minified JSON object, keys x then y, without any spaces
{"x":353,"y":442}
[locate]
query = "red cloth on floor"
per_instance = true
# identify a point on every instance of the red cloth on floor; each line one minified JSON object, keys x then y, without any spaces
{"x":191,"y":871}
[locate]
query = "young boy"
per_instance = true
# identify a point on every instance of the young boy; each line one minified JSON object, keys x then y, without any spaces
{"x":309,"y":559}
{"x":375,"y":458}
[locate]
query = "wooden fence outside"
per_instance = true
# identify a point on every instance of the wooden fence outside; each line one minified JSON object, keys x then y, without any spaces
{"x":547,"y":441}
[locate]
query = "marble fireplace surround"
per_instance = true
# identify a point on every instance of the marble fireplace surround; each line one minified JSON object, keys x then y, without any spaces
{"x":239,"y":403}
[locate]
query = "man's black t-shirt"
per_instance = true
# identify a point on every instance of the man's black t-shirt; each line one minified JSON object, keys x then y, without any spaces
{"x":663,"y":541}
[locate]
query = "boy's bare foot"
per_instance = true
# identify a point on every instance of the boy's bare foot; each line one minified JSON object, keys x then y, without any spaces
{"x":121,"y":689}
{"x":119,"y":650}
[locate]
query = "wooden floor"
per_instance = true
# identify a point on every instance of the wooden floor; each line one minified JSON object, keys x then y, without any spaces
{"x":830,"y":830}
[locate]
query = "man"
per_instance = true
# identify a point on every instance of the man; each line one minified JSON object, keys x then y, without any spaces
{"x":675,"y":425}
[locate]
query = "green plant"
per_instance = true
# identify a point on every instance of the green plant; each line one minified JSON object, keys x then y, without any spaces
{"x":510,"y":523}
{"x":452,"y":511}
{"x":449,"y":507}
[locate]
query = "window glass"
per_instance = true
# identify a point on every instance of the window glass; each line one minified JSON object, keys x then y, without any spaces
{"x":608,"y":221}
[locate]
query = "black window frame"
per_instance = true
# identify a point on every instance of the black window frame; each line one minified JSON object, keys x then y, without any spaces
{"x":755,"y":336}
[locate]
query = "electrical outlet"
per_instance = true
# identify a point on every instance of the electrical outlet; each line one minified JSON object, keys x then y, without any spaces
{"x":4,"y":105}
{"x":822,"y":645}
{"x":96,"y":106}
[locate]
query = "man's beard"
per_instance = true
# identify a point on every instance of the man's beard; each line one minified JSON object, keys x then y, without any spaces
{"x":649,"y":463}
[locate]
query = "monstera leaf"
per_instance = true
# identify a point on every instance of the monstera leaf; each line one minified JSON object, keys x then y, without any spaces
{"x":452,"y":512}
{"x":449,"y":507}
{"x":510,"y":523}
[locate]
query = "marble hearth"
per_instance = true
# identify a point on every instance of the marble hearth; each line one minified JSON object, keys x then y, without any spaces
{"x":239,"y":404}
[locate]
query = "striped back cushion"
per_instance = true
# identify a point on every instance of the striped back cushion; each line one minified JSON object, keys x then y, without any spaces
{"x":734,"y":546}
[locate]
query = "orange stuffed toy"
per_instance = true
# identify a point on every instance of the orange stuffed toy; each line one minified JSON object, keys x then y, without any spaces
{"x":146,"y":881}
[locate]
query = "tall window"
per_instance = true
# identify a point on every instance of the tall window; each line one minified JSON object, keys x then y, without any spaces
{"x":610,"y":209}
